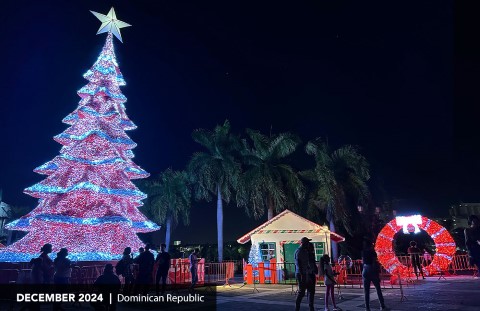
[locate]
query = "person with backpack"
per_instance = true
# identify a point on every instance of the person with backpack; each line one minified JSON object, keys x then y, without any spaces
{"x":125,"y":269}
{"x":163,"y":261}
{"x":305,"y":270}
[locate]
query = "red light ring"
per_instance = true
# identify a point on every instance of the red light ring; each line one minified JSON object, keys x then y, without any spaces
{"x":444,"y":244}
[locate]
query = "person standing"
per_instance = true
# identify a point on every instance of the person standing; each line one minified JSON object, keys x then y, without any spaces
{"x":145,"y":263}
{"x":312,"y":270}
{"x":427,"y":258}
{"x":304,"y":269}
{"x":63,"y":272}
{"x":472,"y":241}
{"x":329,"y":279}
{"x":163,"y":261}
{"x":415,"y":253}
{"x":36,"y":273}
{"x":106,"y":284}
{"x":126,"y":270}
{"x":63,"y":268}
{"x":193,"y":258}
{"x":371,"y":274}
{"x":47,"y":263}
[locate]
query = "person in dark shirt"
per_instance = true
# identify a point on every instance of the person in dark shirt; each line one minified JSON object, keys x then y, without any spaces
{"x":305,"y":270}
{"x":472,"y":241}
{"x":63,"y":268}
{"x":127,"y":262}
{"x":107,"y":283}
{"x":371,"y":274}
{"x":36,"y":274}
{"x":193,"y":258}
{"x":63,"y":272}
{"x":145,"y":263}
{"x":415,"y":253}
{"x":163,"y":261}
{"x":47,"y":264}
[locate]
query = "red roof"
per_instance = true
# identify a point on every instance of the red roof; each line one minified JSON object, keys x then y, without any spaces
{"x":333,"y":236}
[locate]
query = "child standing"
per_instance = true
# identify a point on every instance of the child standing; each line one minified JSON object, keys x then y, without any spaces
{"x":329,"y":280}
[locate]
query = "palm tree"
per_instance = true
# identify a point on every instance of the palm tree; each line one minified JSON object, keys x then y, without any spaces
{"x":169,"y":200}
{"x":268,"y":183}
{"x":216,"y":171}
{"x":339,"y":179}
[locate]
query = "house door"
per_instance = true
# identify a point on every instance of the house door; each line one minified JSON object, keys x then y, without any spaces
{"x":289,"y":259}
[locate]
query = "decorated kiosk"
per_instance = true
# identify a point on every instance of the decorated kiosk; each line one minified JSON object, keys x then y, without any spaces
{"x":274,"y":244}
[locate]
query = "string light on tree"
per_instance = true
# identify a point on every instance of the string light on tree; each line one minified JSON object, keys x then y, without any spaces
{"x":87,"y":203}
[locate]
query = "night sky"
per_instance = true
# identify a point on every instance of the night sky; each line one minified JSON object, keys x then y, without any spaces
{"x":397,"y":80}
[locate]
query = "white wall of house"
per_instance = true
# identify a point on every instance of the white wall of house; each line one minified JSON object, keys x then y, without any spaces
{"x":291,"y":222}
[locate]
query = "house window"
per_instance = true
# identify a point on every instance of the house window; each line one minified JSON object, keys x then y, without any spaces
{"x":319,"y":250}
{"x":267,"y":251}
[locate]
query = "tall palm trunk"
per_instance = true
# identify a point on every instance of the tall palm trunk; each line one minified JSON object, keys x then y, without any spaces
{"x":219,"y":224}
{"x":270,"y":207}
{"x":333,"y":244}
{"x":168,"y":230}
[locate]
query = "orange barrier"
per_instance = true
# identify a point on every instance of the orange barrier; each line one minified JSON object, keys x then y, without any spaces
{"x":284,"y":273}
{"x":248,"y":274}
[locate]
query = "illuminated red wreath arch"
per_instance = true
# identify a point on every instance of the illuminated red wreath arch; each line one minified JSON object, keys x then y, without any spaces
{"x":444,"y":243}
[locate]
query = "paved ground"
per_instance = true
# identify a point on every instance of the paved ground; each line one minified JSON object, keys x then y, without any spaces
{"x":453,"y":293}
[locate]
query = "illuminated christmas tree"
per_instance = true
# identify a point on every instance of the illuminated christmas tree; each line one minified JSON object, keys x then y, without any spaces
{"x":88,"y":203}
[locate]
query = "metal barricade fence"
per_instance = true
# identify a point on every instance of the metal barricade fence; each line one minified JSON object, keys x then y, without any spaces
{"x":265,"y":272}
{"x":461,"y":262}
{"x":219,"y":272}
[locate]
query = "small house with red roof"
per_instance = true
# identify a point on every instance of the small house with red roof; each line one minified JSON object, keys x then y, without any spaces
{"x":279,"y":237}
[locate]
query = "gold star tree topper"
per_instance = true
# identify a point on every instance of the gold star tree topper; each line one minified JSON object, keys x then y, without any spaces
{"x":110,"y":23}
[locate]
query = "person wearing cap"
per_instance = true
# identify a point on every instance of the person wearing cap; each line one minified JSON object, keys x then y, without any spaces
{"x":304,"y":268}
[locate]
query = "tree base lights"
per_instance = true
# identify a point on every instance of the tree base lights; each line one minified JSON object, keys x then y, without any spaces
{"x":444,"y":243}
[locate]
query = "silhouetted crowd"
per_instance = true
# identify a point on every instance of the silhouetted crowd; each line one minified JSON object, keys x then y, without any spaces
{"x":45,"y":271}
{"x":59,"y":271}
